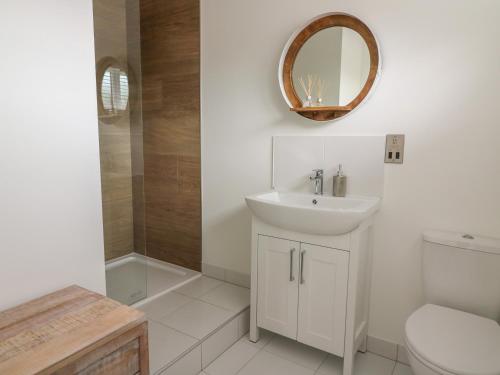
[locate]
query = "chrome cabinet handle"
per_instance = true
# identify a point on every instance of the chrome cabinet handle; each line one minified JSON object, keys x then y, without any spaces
{"x":292,"y":278}
{"x":302,"y":253}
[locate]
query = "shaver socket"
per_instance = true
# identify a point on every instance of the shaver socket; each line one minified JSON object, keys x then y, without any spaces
{"x":394,"y":148}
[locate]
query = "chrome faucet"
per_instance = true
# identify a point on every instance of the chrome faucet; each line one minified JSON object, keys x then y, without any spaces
{"x":317,"y":177}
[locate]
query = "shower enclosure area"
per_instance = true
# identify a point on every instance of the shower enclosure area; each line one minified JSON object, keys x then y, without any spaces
{"x":150,"y":200}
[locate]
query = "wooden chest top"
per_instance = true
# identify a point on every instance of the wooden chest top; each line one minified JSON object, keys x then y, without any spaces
{"x":46,"y":334}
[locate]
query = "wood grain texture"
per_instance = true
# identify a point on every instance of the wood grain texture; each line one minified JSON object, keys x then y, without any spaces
{"x":332,"y":20}
{"x":124,"y":360}
{"x":73,"y":331}
{"x":170,"y":34}
{"x":126,"y":353}
{"x":136,"y":126}
{"x":110,"y":37}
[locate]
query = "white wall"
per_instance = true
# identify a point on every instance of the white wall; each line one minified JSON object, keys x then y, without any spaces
{"x":50,"y":198}
{"x":439,"y":85}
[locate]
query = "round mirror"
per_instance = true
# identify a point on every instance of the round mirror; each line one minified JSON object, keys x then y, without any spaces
{"x":337,"y":61}
{"x":328,"y":68}
{"x":113,"y":90}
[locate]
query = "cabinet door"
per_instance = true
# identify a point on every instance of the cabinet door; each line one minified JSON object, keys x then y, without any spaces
{"x":323,"y":281}
{"x":278,"y":290}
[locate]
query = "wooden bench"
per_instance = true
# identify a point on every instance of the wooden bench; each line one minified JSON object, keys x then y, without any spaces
{"x":73,"y":331}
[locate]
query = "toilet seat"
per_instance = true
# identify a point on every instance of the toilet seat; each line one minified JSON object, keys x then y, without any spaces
{"x":420,"y":366}
{"x":454,"y":342}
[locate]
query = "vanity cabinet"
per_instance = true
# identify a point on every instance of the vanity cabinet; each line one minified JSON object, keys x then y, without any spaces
{"x":311,"y":288}
{"x":293,"y":300}
{"x":323,"y":278}
{"x":278,"y":296}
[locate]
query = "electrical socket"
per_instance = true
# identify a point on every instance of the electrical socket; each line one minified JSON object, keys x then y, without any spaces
{"x":394,"y":148}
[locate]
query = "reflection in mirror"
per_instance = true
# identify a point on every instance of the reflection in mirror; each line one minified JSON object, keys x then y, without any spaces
{"x":114,"y":91}
{"x":337,"y":61}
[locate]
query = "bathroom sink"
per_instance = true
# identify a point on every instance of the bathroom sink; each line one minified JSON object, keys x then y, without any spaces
{"x":313,"y":214}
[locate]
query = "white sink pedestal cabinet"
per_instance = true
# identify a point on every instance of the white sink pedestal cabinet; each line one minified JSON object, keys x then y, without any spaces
{"x":312,"y":288}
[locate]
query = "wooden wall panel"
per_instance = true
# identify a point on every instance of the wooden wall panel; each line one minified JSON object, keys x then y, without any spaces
{"x":117,"y":35}
{"x":136,"y":127}
{"x":170,"y":43}
{"x":110,"y":33}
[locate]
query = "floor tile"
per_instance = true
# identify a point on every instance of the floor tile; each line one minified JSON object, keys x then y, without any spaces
{"x":199,"y":287}
{"x":219,"y":342}
{"x":228,"y":296}
{"x":296,"y":352}
{"x":265,"y":363}
{"x":197,"y":318}
{"x":166,"y":344}
{"x":164,"y":305}
{"x":371,"y":364}
{"x":160,"y":280}
{"x":401,"y":369}
{"x":365,"y":364}
{"x":265,"y":337}
{"x":190,"y":364}
{"x":331,"y":366}
{"x":232,"y":360}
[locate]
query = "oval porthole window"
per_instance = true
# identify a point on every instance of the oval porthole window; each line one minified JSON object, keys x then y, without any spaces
{"x":113,"y":88}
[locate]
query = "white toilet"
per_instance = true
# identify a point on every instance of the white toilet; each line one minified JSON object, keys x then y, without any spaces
{"x":457,"y":331}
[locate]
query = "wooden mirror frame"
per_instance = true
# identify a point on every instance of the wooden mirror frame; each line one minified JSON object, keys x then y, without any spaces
{"x":292,"y":49}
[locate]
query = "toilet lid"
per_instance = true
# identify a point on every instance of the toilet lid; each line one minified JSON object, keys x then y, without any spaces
{"x":455,"y":341}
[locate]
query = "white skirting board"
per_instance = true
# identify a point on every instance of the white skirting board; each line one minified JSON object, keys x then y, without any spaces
{"x":227,"y":275}
{"x":383,"y":348}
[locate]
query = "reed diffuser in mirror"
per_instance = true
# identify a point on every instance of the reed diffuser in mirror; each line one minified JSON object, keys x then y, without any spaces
{"x":320,"y":92}
{"x":308,"y":88}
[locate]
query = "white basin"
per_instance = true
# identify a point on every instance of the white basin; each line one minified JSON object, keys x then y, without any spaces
{"x":313,"y":214}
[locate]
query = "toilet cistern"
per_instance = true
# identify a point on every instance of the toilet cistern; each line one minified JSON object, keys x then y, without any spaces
{"x":317,"y":177}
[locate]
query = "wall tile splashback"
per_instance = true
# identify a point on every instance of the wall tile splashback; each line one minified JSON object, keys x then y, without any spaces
{"x":362,"y":159}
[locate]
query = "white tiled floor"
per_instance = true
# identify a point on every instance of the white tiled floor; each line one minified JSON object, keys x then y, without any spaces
{"x":265,"y":363}
{"x":166,"y":344}
{"x":180,"y":320}
{"x":228,"y":296}
{"x":402,"y":370}
{"x":197,"y":318}
{"x":275,"y":355}
{"x":296,"y":352}
{"x":231,"y":361}
{"x":199,"y":287}
{"x":165,"y":305}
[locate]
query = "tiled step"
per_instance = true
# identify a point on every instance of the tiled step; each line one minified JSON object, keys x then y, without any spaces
{"x":193,"y":325}
{"x":209,"y":349}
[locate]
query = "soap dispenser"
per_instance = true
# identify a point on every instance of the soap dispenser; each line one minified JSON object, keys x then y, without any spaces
{"x":339,"y":183}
